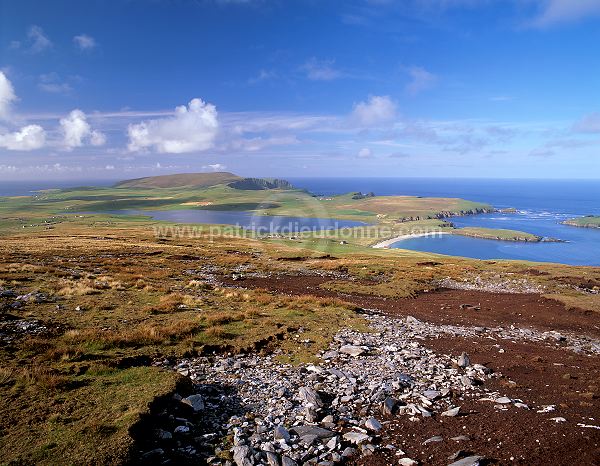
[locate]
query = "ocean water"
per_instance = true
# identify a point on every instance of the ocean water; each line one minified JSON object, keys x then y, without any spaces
{"x":541,"y":205}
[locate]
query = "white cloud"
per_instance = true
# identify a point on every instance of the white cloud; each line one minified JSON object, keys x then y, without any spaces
{"x":420,"y":80}
{"x":39,"y":41}
{"x":29,"y":137}
{"x":84,"y":42}
{"x":7,"y":97}
{"x":321,"y":70}
{"x":565,"y":11}
{"x":192,"y":128}
{"x":109,"y":167}
{"x":365,"y":153}
{"x":77,"y":131}
{"x":377,"y":110}
{"x":588,"y":124}
{"x":216,"y":167}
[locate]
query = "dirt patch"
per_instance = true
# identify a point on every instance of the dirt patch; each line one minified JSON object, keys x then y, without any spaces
{"x":495,"y":309}
{"x":532,"y":372}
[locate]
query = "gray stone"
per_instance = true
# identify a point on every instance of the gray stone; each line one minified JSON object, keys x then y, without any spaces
{"x":287,"y":461}
{"x":434,"y":439}
{"x":272,"y":459}
{"x":389,"y":406}
{"x":242,"y":456}
{"x":310,"y":396}
{"x":356,"y":437}
{"x":407,"y":462}
{"x":348,"y":451}
{"x":195,"y":401}
{"x":464,"y":360}
{"x":503,"y":400}
{"x":468,"y":461}
{"x":318,"y":432}
{"x":431,"y":394}
{"x":373,"y":424}
{"x":352,"y":350}
{"x":452,"y":412}
{"x":330,"y":355}
{"x":281,"y":433}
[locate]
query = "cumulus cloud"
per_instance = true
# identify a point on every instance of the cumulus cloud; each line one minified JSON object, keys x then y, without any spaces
{"x":29,"y":137}
{"x":84,"y":42}
{"x":7,"y":97}
{"x":376,"y":110}
{"x":420,"y":80}
{"x":77,"y":131}
{"x":588,"y":124}
{"x":215,"y":167}
{"x":39,"y":41}
{"x":565,"y":11}
{"x":365,"y":153}
{"x":320,"y":70}
{"x":192,"y":128}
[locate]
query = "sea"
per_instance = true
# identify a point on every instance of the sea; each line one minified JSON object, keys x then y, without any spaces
{"x":540,"y":207}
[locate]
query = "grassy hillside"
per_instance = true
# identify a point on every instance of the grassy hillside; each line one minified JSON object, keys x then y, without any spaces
{"x":584,"y":222}
{"x":497,"y":234}
{"x":197,"y":180}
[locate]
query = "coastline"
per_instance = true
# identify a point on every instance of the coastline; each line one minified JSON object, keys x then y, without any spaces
{"x":388,"y":242}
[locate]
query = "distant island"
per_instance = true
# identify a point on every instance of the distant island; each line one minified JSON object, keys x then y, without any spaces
{"x":589,"y":221}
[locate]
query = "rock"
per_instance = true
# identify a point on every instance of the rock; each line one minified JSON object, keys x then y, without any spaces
{"x":181,"y":429}
{"x":468,"y":461}
{"x":431,"y":394}
{"x":333,"y":443}
{"x":407,"y":462}
{"x":330,"y":355}
{"x":464,"y":360}
{"x":163,"y":434}
{"x":272,"y":459}
{"x":434,"y":439}
{"x":242,"y":456}
{"x":319,"y":432}
{"x":452,"y":412}
{"x":356,"y":437}
{"x":461,"y":438}
{"x":412,"y":320}
{"x":348,"y":451}
{"x":503,"y":400}
{"x":287,"y":461}
{"x":310,"y":396}
{"x":389,"y":406}
{"x":195,"y":401}
{"x":281,"y":433}
{"x":373,"y":424}
{"x":352,"y":350}
{"x":558,"y":419}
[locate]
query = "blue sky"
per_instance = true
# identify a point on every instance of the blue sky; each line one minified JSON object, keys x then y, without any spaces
{"x":470,"y":88}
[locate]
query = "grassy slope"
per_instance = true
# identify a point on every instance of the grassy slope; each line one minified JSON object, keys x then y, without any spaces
{"x":497,"y":234}
{"x":585,"y":222}
{"x":144,"y":296}
{"x":197,"y":180}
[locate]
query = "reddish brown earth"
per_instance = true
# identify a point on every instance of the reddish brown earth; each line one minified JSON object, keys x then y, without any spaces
{"x":443,"y":307}
{"x":538,"y":373}
{"x":531,"y":372}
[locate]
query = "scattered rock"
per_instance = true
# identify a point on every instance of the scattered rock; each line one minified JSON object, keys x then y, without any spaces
{"x":352,"y":350}
{"x":464,"y":360}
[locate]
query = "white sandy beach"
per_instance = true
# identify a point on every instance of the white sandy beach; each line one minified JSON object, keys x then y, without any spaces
{"x":388,"y":242}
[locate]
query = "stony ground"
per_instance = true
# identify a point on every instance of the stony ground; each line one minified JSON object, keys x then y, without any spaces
{"x":409,"y":392}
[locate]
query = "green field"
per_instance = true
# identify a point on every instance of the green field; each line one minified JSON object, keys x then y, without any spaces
{"x":497,"y":234}
{"x":584,"y":222}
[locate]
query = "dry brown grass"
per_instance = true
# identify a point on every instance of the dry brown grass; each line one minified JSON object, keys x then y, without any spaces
{"x":43,"y":377}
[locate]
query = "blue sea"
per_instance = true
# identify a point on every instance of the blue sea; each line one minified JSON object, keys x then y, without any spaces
{"x":541,"y":206}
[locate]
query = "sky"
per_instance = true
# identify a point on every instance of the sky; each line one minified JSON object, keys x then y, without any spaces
{"x":360,"y":88}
